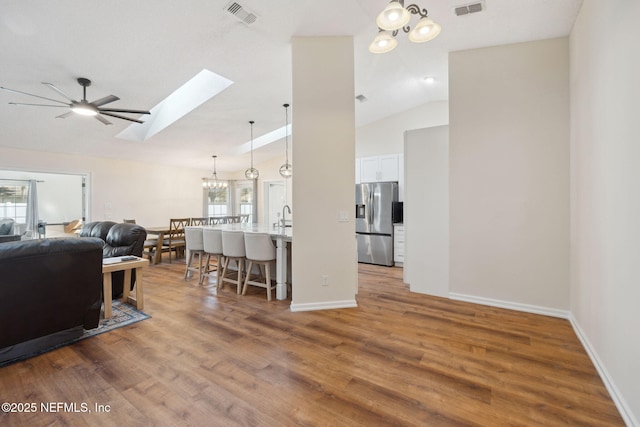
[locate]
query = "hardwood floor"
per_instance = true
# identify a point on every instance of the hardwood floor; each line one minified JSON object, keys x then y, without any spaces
{"x":398,"y":359}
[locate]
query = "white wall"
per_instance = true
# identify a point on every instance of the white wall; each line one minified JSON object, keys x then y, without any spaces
{"x":426,"y":211}
{"x":386,"y":136}
{"x":122,"y":189}
{"x":605,"y":200}
{"x":323,"y":179}
{"x":509,"y":177}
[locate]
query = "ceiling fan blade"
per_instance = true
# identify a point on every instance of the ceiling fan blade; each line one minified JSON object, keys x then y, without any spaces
{"x":40,"y":105}
{"x":105,"y":100}
{"x":36,"y":96}
{"x":103,"y":120}
{"x":52,"y":86}
{"x":117,"y":116}
{"x":120,"y":110}
{"x":65,"y":115}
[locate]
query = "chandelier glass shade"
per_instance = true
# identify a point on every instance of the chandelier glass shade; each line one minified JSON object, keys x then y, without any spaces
{"x":286,"y":170}
{"x":396,"y":17}
{"x":213,"y":182}
{"x":251,"y":173}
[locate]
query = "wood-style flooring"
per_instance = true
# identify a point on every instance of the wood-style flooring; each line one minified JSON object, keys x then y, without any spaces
{"x":209,"y":358}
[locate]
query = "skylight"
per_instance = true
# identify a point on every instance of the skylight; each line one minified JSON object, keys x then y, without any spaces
{"x":263,"y":140}
{"x":201,"y":88}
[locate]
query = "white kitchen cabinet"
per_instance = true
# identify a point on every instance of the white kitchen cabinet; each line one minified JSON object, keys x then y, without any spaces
{"x":398,"y":244}
{"x":380,"y":168}
{"x":358,"y":162}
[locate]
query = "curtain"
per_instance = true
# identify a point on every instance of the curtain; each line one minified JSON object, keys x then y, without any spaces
{"x":32,"y":211}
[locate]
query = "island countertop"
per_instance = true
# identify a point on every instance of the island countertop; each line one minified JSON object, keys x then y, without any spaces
{"x":284,"y":233}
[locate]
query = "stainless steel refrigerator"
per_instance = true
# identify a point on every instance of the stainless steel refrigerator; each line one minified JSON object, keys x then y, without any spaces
{"x":374,"y":221}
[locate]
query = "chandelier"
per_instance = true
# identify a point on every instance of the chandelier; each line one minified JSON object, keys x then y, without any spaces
{"x":213,"y":181}
{"x":395,"y":17}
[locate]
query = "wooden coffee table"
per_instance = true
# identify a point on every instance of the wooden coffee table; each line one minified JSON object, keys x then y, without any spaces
{"x":109,"y":265}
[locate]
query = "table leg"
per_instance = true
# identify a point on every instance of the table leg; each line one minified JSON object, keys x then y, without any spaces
{"x":281,"y":268}
{"x":126,"y":285}
{"x":157,"y":259}
{"x":138,"y":301}
{"x":106,"y":294}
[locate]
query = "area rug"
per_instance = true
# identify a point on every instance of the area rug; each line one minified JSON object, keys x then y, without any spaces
{"x":122,"y":315}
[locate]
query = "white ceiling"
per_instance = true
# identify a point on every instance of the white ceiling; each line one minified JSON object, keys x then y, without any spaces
{"x":142,"y":50}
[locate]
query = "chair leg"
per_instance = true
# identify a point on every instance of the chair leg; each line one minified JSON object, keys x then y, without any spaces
{"x":246,"y":280}
{"x":186,"y":273}
{"x":268,"y":281}
{"x":240,"y":271}
{"x":206,"y":269}
{"x":224,"y":273}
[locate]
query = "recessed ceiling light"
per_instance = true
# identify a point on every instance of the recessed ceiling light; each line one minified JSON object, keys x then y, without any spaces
{"x":429,"y":80}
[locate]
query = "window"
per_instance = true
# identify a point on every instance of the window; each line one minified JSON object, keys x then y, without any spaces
{"x":217,"y":201}
{"x":13,"y":202}
{"x":238,"y":198}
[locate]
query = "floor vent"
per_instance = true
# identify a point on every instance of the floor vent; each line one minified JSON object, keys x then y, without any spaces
{"x":469,"y":8}
{"x":241,"y":13}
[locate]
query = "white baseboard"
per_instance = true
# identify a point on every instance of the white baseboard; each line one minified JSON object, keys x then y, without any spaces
{"x":616,"y":396}
{"x":329,"y":305}
{"x":618,"y":400}
{"x":527,"y":308}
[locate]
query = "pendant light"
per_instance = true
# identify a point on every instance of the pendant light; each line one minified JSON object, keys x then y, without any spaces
{"x":286,"y":170}
{"x":251,"y":173}
{"x":213,"y":182}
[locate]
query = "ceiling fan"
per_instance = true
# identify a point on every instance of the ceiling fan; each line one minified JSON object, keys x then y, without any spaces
{"x":83,"y":107}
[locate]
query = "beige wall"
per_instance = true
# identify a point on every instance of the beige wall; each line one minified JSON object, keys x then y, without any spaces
{"x":509,"y":176}
{"x":426,"y":211}
{"x":147,"y":192}
{"x":324,"y":167}
{"x":386,"y":136}
{"x":605,"y":200}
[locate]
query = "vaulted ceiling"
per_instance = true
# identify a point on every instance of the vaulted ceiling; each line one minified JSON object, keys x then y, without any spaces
{"x":143,"y":50}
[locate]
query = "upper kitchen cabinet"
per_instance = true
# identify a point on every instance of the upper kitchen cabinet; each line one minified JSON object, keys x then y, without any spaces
{"x":380,"y":168}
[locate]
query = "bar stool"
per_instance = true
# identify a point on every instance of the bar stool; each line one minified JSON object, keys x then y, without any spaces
{"x":259,"y":250}
{"x":195,"y":246}
{"x":233,"y":250}
{"x":213,"y":248}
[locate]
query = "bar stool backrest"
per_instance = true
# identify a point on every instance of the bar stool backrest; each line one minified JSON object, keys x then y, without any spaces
{"x":233,"y":243}
{"x":212,"y":241}
{"x":259,"y":247}
{"x":193,"y":238}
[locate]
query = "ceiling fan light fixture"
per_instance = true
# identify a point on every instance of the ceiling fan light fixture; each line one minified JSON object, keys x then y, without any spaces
{"x":84,"y":109}
{"x":393,"y":17}
{"x":424,"y":31}
{"x":383,"y":43}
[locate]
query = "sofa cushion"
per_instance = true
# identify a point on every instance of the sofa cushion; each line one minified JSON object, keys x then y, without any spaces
{"x":6,"y":227}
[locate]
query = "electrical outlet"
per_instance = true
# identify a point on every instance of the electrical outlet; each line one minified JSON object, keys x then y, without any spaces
{"x":325,"y":280}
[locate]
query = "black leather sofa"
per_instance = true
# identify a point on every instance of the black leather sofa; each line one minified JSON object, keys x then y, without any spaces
{"x":119,"y":240}
{"x":50,"y":290}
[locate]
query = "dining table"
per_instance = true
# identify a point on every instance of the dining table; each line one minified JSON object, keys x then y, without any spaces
{"x":160,"y":232}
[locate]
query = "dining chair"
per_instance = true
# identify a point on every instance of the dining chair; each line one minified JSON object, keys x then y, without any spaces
{"x":199,"y":221}
{"x":212,"y":239}
{"x":174,"y":240}
{"x":259,"y":249}
{"x":234,"y":219}
{"x":195,"y":247}
{"x":244,"y":218}
{"x":214,"y":220}
{"x":233,"y":249}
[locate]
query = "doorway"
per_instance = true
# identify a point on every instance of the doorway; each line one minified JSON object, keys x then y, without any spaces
{"x":275,"y":198}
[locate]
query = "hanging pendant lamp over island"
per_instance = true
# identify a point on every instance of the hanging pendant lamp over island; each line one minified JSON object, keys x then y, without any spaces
{"x":395,"y":17}
{"x":252,"y":173}
{"x":286,"y":170}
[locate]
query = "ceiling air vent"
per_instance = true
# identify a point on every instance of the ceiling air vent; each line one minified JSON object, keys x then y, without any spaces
{"x":469,"y":8}
{"x":241,"y":13}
